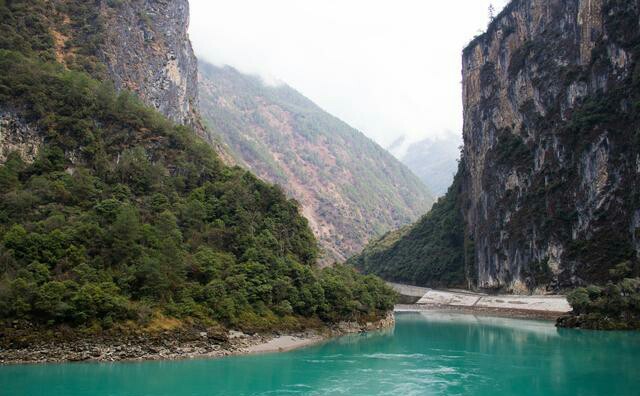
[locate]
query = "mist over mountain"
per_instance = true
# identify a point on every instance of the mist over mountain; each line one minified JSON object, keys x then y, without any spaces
{"x":433,"y":160}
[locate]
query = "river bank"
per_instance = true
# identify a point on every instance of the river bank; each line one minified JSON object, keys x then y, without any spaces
{"x":420,"y":299}
{"x":173,"y":345}
{"x":424,"y":354}
{"x":484,"y":311}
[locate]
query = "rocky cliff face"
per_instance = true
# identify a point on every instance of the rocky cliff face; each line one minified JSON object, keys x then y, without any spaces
{"x":551,"y":146}
{"x":18,"y":136}
{"x":147,"y":50}
{"x":140,"y":45}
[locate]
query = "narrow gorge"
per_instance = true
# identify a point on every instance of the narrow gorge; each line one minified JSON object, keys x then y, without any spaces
{"x":172,"y":227}
{"x":546,"y":196}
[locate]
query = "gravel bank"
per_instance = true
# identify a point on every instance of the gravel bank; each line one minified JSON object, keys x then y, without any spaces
{"x":181,"y":344}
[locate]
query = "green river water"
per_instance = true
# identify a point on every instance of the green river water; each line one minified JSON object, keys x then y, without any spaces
{"x":426,"y":354}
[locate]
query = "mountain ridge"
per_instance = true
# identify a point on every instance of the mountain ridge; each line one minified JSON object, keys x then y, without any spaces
{"x":350,"y":188}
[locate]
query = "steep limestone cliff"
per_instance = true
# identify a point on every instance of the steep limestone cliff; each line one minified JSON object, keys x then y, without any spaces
{"x":147,"y":50}
{"x":140,"y":45}
{"x":549,"y":179}
{"x":551,"y":142}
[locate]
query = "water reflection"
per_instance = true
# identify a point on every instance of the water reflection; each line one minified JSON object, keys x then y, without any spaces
{"x":542,"y":327}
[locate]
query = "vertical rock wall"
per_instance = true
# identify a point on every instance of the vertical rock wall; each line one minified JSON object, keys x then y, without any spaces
{"x":146,"y":49}
{"x":551,"y":143}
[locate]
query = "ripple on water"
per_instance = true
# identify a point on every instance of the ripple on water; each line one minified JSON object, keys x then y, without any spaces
{"x":395,"y":356}
{"x":320,"y":361}
{"x":431,"y":371}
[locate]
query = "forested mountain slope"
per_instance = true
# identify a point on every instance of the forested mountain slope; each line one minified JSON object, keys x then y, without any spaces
{"x":550,"y":177}
{"x":429,"y":252}
{"x":112,"y":217}
{"x":350,"y":189}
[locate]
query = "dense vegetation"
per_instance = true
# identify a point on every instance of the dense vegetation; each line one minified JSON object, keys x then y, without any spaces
{"x":67,"y":31}
{"x":350,"y":187}
{"x":428,"y":253}
{"x":124,"y":217}
{"x":615,"y":306}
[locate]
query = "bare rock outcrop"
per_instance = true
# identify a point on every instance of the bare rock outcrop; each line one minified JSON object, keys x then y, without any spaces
{"x":146,"y":49}
{"x":551,"y":143}
{"x":18,"y":136}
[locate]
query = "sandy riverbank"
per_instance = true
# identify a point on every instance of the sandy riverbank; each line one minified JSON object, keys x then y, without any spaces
{"x":284,"y":343}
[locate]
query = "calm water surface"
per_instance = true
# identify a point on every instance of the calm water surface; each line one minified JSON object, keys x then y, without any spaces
{"x":426,"y":354}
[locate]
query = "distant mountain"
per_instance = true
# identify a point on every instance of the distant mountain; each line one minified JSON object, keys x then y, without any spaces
{"x":398,"y":147}
{"x":434,"y":161}
{"x":350,"y":189}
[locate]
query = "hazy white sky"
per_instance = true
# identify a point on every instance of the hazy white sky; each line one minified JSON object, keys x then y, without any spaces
{"x":387,"y":67}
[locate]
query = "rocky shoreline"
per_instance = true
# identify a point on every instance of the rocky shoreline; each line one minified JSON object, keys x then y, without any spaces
{"x":173,"y":345}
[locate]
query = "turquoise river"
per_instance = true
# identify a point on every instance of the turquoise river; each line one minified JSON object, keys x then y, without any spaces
{"x":426,"y":354}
